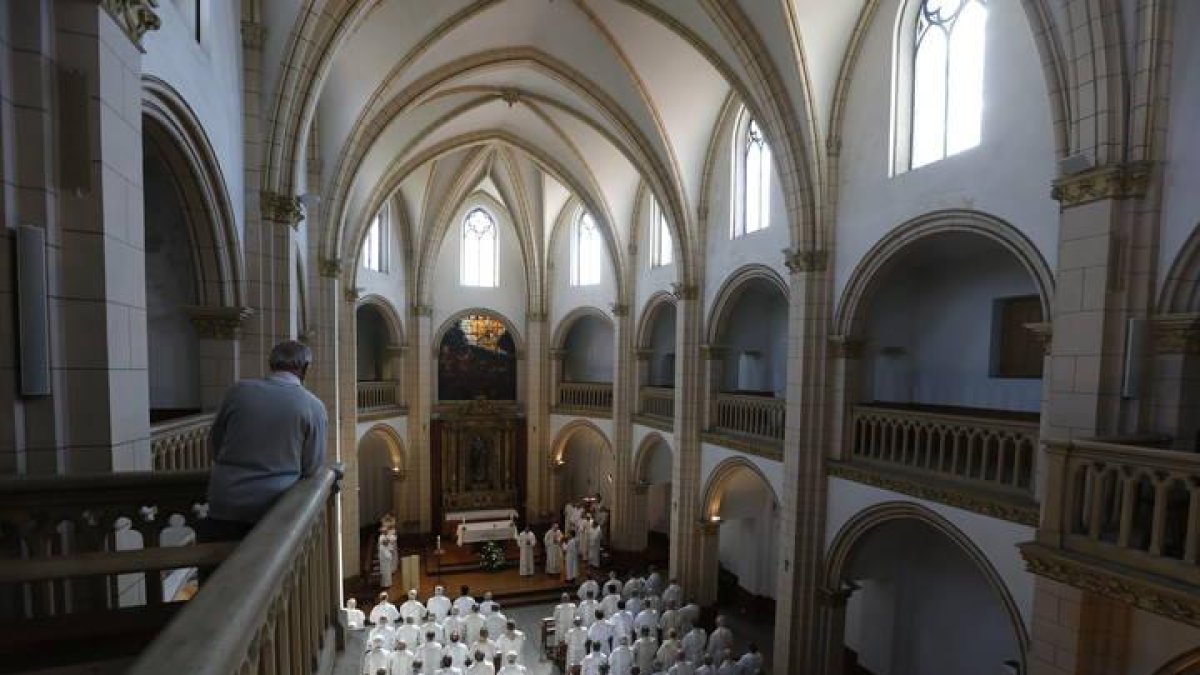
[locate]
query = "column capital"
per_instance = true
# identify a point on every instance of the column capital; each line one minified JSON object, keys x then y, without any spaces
{"x":1044,"y":332}
{"x":558,"y":354}
{"x":254,"y":34}
{"x":619,"y":309}
{"x":280,"y":208}
{"x":1176,"y":333}
{"x":422,"y":310}
{"x":353,"y":294}
{"x":798,"y":261}
{"x":1128,"y":180}
{"x":683,"y":291}
{"x":713,"y":352}
{"x":835,"y":598}
{"x":536,"y":316}
{"x":135,"y":17}
{"x":709,"y":527}
{"x":218,"y":323}
{"x":845,"y":347}
{"x":330,"y":268}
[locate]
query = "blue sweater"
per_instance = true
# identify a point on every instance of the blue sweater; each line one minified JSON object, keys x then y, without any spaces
{"x":268,"y":434}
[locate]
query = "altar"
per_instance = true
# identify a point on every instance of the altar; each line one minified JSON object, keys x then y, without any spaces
{"x":486,"y":530}
{"x":478,"y":465}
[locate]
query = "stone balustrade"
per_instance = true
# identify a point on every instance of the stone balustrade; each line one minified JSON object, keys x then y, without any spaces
{"x":992,"y":451}
{"x":182,"y":444}
{"x":376,"y":396}
{"x":586,"y":396}
{"x":759,"y":417}
{"x":657,"y":402}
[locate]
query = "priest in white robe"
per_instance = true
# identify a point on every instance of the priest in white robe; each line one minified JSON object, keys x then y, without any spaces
{"x":527,"y":543}
{"x":564,"y":616}
{"x":576,"y":642}
{"x":384,"y":607}
{"x":553,"y":543}
{"x":355,"y":619}
{"x":621,"y":659}
{"x":387,"y":558}
{"x":402,"y":659}
{"x":438,"y":603}
{"x":412,"y":607}
{"x":377,"y":658}
{"x":594,"y":542}
{"x":571,"y":559}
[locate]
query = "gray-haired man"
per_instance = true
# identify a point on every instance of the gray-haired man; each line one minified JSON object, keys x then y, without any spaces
{"x":268,"y":434}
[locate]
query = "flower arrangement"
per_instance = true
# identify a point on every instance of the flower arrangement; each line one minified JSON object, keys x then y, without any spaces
{"x":491,"y":556}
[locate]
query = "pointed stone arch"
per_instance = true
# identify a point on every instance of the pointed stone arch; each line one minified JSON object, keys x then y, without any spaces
{"x":1181,"y":290}
{"x":563,"y":329}
{"x":649,"y":315}
{"x":732,"y":288}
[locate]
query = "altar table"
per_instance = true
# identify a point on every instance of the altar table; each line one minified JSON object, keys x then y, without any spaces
{"x":487,"y":530}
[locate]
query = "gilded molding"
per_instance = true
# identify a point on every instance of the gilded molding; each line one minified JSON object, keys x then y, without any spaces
{"x":1107,"y":580}
{"x":1176,"y":333}
{"x":254,"y":34}
{"x":218,"y":323}
{"x":842,"y":347}
{"x":1114,"y":181}
{"x":683,"y":291}
{"x":422,"y":310}
{"x":1044,"y":332}
{"x":619,"y":309}
{"x":135,"y":17}
{"x":805,"y":261}
{"x":330,"y":268}
{"x":967,"y":499}
{"x":279,"y":208}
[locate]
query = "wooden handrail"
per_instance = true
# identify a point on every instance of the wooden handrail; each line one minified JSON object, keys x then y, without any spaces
{"x":283,"y":572}
{"x":113,"y":562}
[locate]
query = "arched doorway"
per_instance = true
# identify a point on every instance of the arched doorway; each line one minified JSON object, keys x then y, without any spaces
{"x":380,"y":467}
{"x":915,"y":595}
{"x":652,"y":492}
{"x":741,"y":511}
{"x":583,"y":465}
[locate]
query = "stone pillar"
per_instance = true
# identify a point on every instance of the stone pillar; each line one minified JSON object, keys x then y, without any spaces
{"x":422,"y":397}
{"x":686,"y":560}
{"x":346,"y":408}
{"x":1077,"y":631}
{"x":218,"y":329}
{"x":832,"y":630}
{"x":707,"y":552}
{"x":639,"y":535}
{"x":538,"y":501}
{"x":802,"y":513}
{"x":394,"y":367}
{"x":847,"y":363}
{"x":557,"y":356}
{"x":624,"y":405}
{"x":1176,"y":376}
{"x":714,"y":370}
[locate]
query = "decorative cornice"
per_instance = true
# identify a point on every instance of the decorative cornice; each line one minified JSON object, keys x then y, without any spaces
{"x":805,"y":261}
{"x":395,"y":350}
{"x":135,"y":17}
{"x":330,"y":268}
{"x":619,"y":309}
{"x":1110,"y":581}
{"x":422,"y":310}
{"x":842,"y":347}
{"x":661,"y":423}
{"x":772,"y":450}
{"x":254,"y":35}
{"x":278,"y":208}
{"x":967,"y":499}
{"x":1176,"y":333}
{"x":713,"y":352}
{"x":1043,"y":331}
{"x":1114,"y":181}
{"x":683,"y":291}
{"x":218,"y":323}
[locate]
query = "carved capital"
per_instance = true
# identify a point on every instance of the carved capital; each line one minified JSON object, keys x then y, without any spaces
{"x":330,"y":268}
{"x":1044,"y":332}
{"x":536,"y":316}
{"x":1114,"y":181}
{"x":135,"y":17}
{"x":805,"y":261}
{"x":619,"y":309}
{"x":843,"y":347}
{"x":558,"y":354}
{"x":683,"y":291}
{"x":353,"y":294}
{"x":285,"y":209}
{"x":422,"y":310}
{"x":254,"y":34}
{"x":709,"y":527}
{"x":218,"y":323}
{"x":713,"y":352}
{"x":1176,"y":333}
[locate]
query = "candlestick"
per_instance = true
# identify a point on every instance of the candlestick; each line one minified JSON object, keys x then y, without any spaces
{"x":439,"y":542}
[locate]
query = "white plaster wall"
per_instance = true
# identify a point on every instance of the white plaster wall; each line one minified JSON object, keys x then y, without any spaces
{"x":712,"y":455}
{"x":589,"y":346}
{"x":208,"y":76}
{"x":1181,"y":199}
{"x":1154,"y":640}
{"x":662,"y":349}
{"x":640,"y":432}
{"x":508,"y":299}
{"x":942,"y":307}
{"x":755,"y":335}
{"x":995,"y":538}
{"x":589,"y":467}
{"x":1007,"y":175}
{"x":390,"y":284}
{"x":650,"y":279}
{"x":748,"y":541}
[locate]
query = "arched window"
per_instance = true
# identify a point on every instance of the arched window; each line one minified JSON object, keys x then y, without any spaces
{"x":480,"y":264}
{"x":375,"y":244}
{"x":662,"y":250}
{"x":947,"y":78}
{"x":752,"y":180}
{"x":586,"y":251}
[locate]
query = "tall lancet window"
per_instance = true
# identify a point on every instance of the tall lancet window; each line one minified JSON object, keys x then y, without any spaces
{"x":375,"y":244}
{"x":947,"y":86}
{"x":480,"y":264}
{"x":662,"y":247}
{"x":586,"y":251}
{"x":752,"y":180}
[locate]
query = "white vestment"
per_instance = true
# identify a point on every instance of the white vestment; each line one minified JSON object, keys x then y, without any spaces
{"x":464,"y":603}
{"x":385,"y":609}
{"x":488,"y":647}
{"x":621,"y":660}
{"x":576,"y":639}
{"x":594,"y":546}
{"x":591,"y":663}
{"x":473,"y":623}
{"x":510,"y":643}
{"x":693,"y":644}
{"x":553,"y":543}
{"x":609,"y":604}
{"x":482,"y":668}
{"x":589,"y":586}
{"x":571,"y":548}
{"x":385,"y":633}
{"x":375,"y":660}
{"x":686,"y":668}
{"x":648,"y":618}
{"x":355,"y":619}
{"x":435,"y":628}
{"x":601,"y":632}
{"x":458,"y":652}
{"x":751,"y":662}
{"x":402,"y":660}
{"x":409,"y":634}
{"x":496,"y":623}
{"x":513,"y":669}
{"x":668,"y":653}
{"x":643,"y":653}
{"x":413,"y":608}
{"x":387,"y":559}
{"x":564,"y":618}
{"x":527,"y":541}
{"x":587,"y":612}
{"x":440,"y":606}
{"x":430,"y":655}
{"x":720,"y":640}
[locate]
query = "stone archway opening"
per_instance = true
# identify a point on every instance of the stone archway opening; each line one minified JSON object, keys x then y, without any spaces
{"x":741,"y":518}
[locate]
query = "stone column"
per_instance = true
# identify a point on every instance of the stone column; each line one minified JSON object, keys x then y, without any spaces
{"x":557,"y":356}
{"x":347,"y":414}
{"x":847,"y":363}
{"x":218,"y":329}
{"x":707,"y":552}
{"x":537,"y":420}
{"x":802,"y":513}
{"x":1176,"y":376}
{"x":714,"y":370}
{"x":639,"y":535}
{"x":832,"y":629}
{"x":420,"y":412}
{"x":624,"y":405}
{"x":686,"y":560}
{"x":324,"y":374}
{"x":394,"y":367}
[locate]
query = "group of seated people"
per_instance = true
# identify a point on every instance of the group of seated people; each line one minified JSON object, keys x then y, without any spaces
{"x":465,"y":636}
{"x":640,"y":626}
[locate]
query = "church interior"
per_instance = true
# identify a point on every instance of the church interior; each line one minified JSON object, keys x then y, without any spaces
{"x":846,"y":337}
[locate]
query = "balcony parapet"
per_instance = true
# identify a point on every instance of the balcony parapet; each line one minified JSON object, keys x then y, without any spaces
{"x":182,"y":444}
{"x":589,"y":399}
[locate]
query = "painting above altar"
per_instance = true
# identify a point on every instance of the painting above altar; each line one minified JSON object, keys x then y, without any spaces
{"x":477,"y":359}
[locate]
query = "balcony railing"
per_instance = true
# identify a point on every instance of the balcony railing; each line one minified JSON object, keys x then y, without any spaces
{"x":657,"y":402}
{"x":271,"y":607}
{"x":759,"y":417}
{"x":996,"y":452}
{"x":377,"y":396}
{"x":182,"y":444}
{"x":586,"y":396}
{"x":1134,"y":506}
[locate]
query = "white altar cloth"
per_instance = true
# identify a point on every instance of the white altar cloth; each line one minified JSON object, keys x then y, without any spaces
{"x":490,"y":530}
{"x":482,"y":514}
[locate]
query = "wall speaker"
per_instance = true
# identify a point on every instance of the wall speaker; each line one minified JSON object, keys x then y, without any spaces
{"x":33,"y":337}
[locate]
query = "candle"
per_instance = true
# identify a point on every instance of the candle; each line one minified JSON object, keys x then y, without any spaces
{"x":439,"y":542}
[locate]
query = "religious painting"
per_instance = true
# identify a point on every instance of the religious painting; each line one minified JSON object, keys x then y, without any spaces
{"x":477,"y":359}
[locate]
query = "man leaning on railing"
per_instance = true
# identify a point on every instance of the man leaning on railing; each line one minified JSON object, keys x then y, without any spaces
{"x":268,"y":434}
